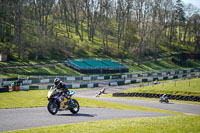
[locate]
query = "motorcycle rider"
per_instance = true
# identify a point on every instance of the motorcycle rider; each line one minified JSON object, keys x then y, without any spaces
{"x":61,"y":86}
{"x":164,"y":97}
{"x":102,"y":91}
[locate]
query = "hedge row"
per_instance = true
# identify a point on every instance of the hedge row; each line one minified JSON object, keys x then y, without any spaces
{"x":153,"y":95}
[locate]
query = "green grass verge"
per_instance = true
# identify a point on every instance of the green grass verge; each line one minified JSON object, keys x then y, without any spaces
{"x":160,"y":65}
{"x":20,"y":62}
{"x":38,"y":70}
{"x":64,"y":70}
{"x":169,"y":124}
{"x":37,"y":98}
{"x":186,"y":87}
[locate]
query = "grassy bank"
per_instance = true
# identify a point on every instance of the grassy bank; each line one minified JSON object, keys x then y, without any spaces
{"x":62,"y":69}
{"x":38,"y":70}
{"x":160,"y":65}
{"x":20,"y":62}
{"x":170,"y":124}
{"x":186,"y":87}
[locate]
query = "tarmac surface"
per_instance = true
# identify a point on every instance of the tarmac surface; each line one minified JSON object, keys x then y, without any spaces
{"x":23,"y":118}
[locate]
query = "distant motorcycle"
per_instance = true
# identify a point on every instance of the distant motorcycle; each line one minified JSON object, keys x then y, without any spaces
{"x":164,"y":99}
{"x":100,"y":92}
{"x":57,"y":102}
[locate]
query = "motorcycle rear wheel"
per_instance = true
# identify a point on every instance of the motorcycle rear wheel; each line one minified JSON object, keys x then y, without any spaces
{"x":52,"y":107}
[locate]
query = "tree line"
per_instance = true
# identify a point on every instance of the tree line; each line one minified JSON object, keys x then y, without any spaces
{"x":136,"y":27}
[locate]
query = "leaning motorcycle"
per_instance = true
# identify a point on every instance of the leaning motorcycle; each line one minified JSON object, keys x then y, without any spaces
{"x":57,"y":102}
{"x":164,"y":100}
{"x":100,"y":92}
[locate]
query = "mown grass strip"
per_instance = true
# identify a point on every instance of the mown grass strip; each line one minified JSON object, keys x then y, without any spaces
{"x":37,"y":98}
{"x":169,"y":124}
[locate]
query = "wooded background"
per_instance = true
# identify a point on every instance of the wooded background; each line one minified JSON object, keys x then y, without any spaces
{"x":36,"y":29}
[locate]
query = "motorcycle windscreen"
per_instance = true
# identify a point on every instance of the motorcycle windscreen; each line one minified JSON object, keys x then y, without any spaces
{"x":50,"y":93}
{"x":71,"y":92}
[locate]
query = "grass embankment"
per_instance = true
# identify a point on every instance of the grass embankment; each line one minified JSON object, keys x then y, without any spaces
{"x":37,"y":98}
{"x":62,"y":69}
{"x":20,"y":62}
{"x":189,"y":87}
{"x":186,"y":87}
{"x":38,"y":70}
{"x":162,"y":65}
{"x":170,"y":124}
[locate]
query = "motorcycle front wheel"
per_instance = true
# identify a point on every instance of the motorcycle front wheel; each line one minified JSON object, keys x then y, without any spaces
{"x":167,"y":101}
{"x":52,"y":107}
{"x":74,"y":107}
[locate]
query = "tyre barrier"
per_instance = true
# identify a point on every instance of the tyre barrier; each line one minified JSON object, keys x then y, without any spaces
{"x":153,"y":95}
{"x":4,"y":89}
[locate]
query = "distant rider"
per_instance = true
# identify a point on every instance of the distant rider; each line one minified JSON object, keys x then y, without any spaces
{"x":62,"y":87}
{"x":164,"y":97}
{"x":102,"y":91}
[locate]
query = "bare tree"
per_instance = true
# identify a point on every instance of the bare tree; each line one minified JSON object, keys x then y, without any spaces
{"x":121,"y":14}
{"x":105,"y":11}
{"x":65,"y":9}
{"x":91,"y":11}
{"x":18,"y":25}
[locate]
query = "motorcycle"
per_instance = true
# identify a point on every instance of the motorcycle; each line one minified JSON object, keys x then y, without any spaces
{"x":164,"y":100}
{"x":100,"y":92}
{"x":57,"y":102}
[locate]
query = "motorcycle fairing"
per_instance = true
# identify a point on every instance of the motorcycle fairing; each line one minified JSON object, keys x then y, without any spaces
{"x":59,"y":98}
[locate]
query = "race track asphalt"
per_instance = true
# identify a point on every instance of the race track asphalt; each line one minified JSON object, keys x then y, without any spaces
{"x":23,"y":118}
{"x":177,"y":107}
